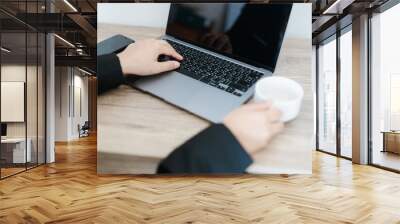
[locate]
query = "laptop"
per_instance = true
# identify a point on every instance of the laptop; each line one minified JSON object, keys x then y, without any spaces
{"x":3,"y":131}
{"x":226,"y":47}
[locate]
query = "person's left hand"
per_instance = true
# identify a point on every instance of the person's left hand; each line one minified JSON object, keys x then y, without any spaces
{"x":141,"y":58}
{"x":254,"y":125}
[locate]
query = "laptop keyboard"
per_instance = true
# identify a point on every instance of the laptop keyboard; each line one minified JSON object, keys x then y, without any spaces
{"x":214,"y":71}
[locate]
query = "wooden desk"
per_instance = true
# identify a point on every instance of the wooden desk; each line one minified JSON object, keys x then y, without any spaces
{"x":136,"y":130}
{"x":391,"y":141}
{"x":17,"y":154}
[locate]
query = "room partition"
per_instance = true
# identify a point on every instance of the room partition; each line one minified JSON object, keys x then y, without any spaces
{"x":23,"y":89}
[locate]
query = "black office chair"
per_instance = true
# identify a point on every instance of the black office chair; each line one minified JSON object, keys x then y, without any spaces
{"x":84,"y":130}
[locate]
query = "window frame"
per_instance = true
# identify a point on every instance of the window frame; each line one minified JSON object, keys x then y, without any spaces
{"x":381,"y":9}
{"x":334,"y":37}
{"x":26,"y":30}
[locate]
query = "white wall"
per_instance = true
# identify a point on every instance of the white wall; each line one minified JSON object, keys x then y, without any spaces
{"x":156,"y":15}
{"x":62,"y":81}
{"x":33,"y":126}
{"x":15,"y":72}
{"x":80,"y":83}
{"x":68,"y":80}
{"x":133,"y":14}
{"x":299,"y":25}
{"x":12,"y":101}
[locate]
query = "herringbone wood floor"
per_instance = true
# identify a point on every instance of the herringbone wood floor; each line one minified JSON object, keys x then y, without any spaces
{"x":69,"y":191}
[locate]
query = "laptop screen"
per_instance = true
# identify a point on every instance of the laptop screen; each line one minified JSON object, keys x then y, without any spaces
{"x":251,"y":33}
{"x":3,"y":129}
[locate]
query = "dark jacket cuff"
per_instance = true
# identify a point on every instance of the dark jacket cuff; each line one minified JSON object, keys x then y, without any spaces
{"x":214,"y":150}
{"x":109,"y":72}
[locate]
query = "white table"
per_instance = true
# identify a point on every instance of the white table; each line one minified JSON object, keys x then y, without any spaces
{"x":19,"y":152}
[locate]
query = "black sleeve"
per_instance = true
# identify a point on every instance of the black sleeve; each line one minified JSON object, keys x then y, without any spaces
{"x":214,"y":150}
{"x":109,"y":72}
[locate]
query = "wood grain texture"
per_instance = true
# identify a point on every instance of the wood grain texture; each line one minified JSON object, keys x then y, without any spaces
{"x":136,"y":130}
{"x":70,"y":191}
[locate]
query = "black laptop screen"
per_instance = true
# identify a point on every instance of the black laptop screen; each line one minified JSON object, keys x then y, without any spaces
{"x":3,"y":129}
{"x":252,"y":33}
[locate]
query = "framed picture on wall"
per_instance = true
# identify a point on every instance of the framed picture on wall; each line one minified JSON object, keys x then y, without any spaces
{"x":12,"y":101}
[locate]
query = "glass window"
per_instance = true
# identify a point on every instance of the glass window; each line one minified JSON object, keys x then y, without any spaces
{"x":31,"y":97}
{"x":327,"y":96}
{"x":385,"y":84}
{"x":22,"y":92}
{"x":14,"y":150}
{"x":346,"y":94}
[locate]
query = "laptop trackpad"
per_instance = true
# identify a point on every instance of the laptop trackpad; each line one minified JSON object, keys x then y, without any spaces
{"x":171,"y":86}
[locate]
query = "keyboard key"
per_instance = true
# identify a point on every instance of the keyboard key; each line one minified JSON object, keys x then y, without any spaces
{"x":214,"y":71}
{"x":240,"y":87}
{"x":222,"y":86}
{"x":237,"y":93}
{"x":230,"y":89}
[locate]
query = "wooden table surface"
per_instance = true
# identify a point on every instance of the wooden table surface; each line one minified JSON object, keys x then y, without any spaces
{"x":136,"y":130}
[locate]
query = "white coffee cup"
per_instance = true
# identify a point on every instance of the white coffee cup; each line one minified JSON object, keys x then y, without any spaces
{"x":285,"y":94}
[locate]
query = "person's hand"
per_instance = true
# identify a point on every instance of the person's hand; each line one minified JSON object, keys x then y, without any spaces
{"x":254,"y":125}
{"x":141,"y":58}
